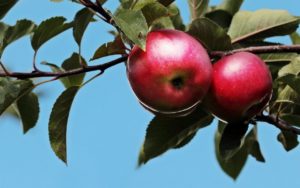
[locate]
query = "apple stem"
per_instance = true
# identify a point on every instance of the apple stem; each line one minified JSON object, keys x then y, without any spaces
{"x":277,"y":122}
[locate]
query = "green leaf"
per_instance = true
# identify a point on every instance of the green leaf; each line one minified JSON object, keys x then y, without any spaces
{"x":288,"y":140}
{"x":255,"y":151}
{"x":59,"y":120}
{"x":161,"y":17}
{"x":134,"y":25}
{"x":138,"y":5}
{"x":287,"y":101}
{"x":27,"y":108}
{"x":3,"y":28}
{"x":162,"y":23}
{"x":292,"y":80}
{"x":176,"y":18}
{"x":81,"y":22}
{"x":261,"y":24}
{"x":12,"y":90}
{"x":154,"y":11}
{"x":72,"y":63}
{"x":277,"y":57}
{"x":11,"y":111}
{"x":210,"y":34}
{"x":276,"y":61}
{"x":21,"y":28}
{"x":221,"y":17}
{"x":251,"y":43}
{"x":64,"y":80}
{"x":166,"y":133}
{"x":47,"y":30}
{"x":230,"y":6}
{"x":253,"y":145}
{"x":293,"y":119}
{"x":13,"y":33}
{"x":111,"y":48}
{"x":288,"y":94}
{"x":126,"y":4}
{"x":166,"y":2}
{"x":235,"y":164}
{"x":295,"y":37}
{"x":185,"y":141}
{"x":232,"y":139}
{"x":197,"y":8}
{"x":5,"y":6}
{"x":291,"y":68}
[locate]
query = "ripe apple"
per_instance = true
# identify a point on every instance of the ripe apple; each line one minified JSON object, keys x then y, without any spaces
{"x":172,"y":75}
{"x":241,"y":87}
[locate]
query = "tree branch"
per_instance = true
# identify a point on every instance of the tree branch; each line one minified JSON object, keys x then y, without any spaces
{"x":259,"y":50}
{"x":4,"y":69}
{"x":97,"y":7}
{"x":35,"y":74}
{"x":102,"y":67}
{"x":277,"y":122}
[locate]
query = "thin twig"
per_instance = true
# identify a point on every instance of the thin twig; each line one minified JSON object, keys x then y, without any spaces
{"x":45,"y":81}
{"x":259,"y":50}
{"x":35,"y":74}
{"x":34,"y":62}
{"x":80,"y":58}
{"x":104,"y":14}
{"x":4,"y":69}
{"x":92,"y":78}
{"x":277,"y":122}
{"x":97,"y":8}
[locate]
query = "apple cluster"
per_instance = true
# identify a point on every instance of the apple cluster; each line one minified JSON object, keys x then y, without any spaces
{"x":175,"y":74}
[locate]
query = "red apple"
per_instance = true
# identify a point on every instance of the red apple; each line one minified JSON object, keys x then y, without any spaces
{"x":172,"y":75}
{"x":241,"y":87}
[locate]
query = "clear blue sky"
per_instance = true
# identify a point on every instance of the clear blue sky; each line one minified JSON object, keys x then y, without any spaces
{"x":107,"y":126}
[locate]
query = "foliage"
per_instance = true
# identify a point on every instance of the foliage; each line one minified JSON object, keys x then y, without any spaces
{"x":220,"y":28}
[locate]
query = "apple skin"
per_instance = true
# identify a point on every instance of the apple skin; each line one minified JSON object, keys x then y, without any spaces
{"x":172,"y":75}
{"x":240,"y":88}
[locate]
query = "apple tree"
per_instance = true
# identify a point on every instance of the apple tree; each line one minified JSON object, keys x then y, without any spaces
{"x":233,"y":43}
